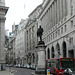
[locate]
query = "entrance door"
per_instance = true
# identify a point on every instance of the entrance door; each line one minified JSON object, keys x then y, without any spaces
{"x":1,"y":67}
{"x":71,"y":53}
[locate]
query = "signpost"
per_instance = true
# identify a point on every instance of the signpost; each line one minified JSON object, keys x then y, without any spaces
{"x":48,"y":71}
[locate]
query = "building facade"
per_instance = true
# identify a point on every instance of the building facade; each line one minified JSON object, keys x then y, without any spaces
{"x":3,"y":11}
{"x":57,"y":18}
{"x":20,"y":42}
{"x":58,"y":21}
{"x":10,"y":46}
{"x":31,"y":37}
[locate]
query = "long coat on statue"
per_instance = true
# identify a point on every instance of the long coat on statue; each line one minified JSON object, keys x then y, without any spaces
{"x":40,"y":32}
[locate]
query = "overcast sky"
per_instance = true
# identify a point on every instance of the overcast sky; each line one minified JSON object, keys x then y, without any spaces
{"x":19,"y":9}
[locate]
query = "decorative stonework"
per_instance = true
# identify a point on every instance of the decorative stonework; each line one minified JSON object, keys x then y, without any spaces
{"x":2,"y":19}
{"x":3,"y":11}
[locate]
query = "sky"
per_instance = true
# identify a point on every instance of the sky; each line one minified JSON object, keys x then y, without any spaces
{"x":19,"y":9}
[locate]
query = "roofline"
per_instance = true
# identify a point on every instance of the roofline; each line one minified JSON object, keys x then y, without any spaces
{"x":35,"y":9}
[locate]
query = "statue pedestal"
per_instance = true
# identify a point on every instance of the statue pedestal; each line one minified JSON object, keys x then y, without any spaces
{"x":41,"y":66}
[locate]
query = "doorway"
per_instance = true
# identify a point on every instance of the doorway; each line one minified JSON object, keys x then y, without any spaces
{"x":71,"y":53}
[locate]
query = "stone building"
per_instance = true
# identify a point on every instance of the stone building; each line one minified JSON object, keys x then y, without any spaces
{"x":10,"y":46}
{"x":14,"y":30}
{"x":3,"y":11}
{"x":20,"y":42}
{"x":57,"y":18}
{"x":58,"y":21}
{"x":31,"y":37}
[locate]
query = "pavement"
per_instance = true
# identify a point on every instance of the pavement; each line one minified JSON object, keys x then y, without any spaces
{"x":8,"y":71}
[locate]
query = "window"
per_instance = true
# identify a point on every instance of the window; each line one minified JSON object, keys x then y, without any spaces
{"x":58,"y":31}
{"x":33,"y":58}
{"x":65,"y":28}
{"x":48,"y":53}
{"x":53,"y":35}
{"x":71,"y":41}
{"x":30,"y":33}
{"x":71,"y":8}
{"x":49,"y":37}
{"x":61,"y":30}
{"x":71,"y":23}
{"x":33,"y":31}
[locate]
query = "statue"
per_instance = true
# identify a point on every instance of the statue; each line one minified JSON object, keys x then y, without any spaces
{"x":39,"y":34}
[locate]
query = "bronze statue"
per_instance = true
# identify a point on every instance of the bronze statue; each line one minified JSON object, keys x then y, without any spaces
{"x":40,"y":32}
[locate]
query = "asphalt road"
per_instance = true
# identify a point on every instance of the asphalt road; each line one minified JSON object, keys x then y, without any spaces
{"x":22,"y":71}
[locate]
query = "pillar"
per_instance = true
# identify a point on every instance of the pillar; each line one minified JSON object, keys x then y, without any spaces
{"x":3,"y":11}
{"x":41,"y":65}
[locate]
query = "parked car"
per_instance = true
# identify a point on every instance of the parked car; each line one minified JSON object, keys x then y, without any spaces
{"x":9,"y":65}
{"x":24,"y":66}
{"x":21,"y":66}
{"x":27,"y":66}
{"x":34,"y":67}
{"x":68,"y":71}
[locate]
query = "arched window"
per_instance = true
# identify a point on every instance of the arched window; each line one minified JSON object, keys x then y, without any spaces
{"x":48,"y":53}
{"x":64,"y":49}
{"x":53,"y":52}
{"x":58,"y":48}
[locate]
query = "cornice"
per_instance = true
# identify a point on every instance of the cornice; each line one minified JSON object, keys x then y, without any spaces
{"x":44,"y":7}
{"x":3,"y":8}
{"x":39,"y":6}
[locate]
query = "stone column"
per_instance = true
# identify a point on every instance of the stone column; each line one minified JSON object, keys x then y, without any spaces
{"x":41,"y":65}
{"x":3,"y":11}
{"x":61,"y":10}
{"x":57,"y":11}
{"x":2,"y":39}
{"x":64,"y":8}
{"x":50,"y":17}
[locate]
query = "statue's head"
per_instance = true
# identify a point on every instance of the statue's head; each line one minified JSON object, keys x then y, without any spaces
{"x":40,"y":26}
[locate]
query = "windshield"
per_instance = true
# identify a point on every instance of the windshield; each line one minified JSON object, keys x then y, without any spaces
{"x":67,"y":63}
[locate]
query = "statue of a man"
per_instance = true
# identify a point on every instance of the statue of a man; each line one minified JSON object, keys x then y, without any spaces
{"x":40,"y":32}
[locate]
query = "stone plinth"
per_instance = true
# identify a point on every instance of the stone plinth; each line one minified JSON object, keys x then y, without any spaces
{"x":41,"y":59}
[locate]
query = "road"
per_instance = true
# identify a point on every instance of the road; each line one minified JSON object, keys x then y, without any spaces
{"x":22,"y":71}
